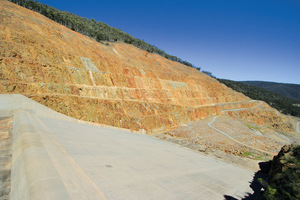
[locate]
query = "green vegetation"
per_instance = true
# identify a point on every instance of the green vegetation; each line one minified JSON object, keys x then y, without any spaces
{"x":280,"y":102}
{"x":247,"y":154}
{"x":254,"y":127}
{"x":208,"y":73}
{"x":98,"y":30}
{"x":263,"y":157}
{"x":256,"y":156}
{"x":285,"y":89}
{"x":284,"y":176}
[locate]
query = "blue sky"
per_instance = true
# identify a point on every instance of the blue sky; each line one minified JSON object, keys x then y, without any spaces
{"x":233,"y":39}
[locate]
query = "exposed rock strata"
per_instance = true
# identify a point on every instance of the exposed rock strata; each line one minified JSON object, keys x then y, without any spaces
{"x":118,"y":85}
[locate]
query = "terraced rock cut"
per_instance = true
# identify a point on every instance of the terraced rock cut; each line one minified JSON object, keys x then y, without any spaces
{"x":118,"y":85}
{"x":5,"y":156}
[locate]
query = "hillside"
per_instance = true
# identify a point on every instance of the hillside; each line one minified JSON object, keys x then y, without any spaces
{"x":99,"y":31}
{"x":115,"y":84}
{"x":285,"y":89}
{"x":282,"y":103}
{"x":71,"y":108}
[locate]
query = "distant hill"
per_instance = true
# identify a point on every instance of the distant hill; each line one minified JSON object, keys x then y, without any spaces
{"x":282,"y":103}
{"x":288,"y":90}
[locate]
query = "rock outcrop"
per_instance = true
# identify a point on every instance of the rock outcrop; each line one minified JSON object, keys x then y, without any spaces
{"x":116,"y":84}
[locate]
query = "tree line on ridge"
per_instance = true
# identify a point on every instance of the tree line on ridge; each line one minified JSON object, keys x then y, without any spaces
{"x":95,"y":29}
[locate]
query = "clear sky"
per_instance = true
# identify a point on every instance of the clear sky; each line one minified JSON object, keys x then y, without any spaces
{"x":233,"y":39}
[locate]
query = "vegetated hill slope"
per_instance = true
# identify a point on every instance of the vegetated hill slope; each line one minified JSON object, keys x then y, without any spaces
{"x":116,"y":84}
{"x":282,"y":103}
{"x":284,"y":175}
{"x":288,"y":90}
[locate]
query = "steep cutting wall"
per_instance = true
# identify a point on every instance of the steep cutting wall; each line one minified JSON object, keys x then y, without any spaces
{"x":115,"y":84}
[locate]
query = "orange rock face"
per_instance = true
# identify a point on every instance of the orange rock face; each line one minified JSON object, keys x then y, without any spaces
{"x":118,"y":84}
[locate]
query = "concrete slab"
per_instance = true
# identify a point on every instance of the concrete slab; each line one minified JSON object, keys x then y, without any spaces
{"x":89,"y":65}
{"x":54,"y":157}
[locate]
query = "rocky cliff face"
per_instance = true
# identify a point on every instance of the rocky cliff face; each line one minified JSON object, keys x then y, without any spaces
{"x":115,"y":84}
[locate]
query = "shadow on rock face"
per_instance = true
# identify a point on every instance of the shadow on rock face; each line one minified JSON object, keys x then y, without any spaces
{"x":255,"y":185}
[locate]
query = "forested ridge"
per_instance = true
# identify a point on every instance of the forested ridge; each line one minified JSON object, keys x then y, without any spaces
{"x":282,"y":103}
{"x":286,"y":89}
{"x":100,"y":31}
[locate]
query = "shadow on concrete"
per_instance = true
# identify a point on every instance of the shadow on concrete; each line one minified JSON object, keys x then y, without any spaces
{"x":254,"y":184}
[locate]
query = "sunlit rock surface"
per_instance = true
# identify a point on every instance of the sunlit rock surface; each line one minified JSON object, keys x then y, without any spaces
{"x":118,"y":85}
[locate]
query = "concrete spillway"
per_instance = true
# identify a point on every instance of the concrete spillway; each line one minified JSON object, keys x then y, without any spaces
{"x":55,"y":157}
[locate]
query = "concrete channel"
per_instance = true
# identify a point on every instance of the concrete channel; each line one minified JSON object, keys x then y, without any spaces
{"x":55,"y":157}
